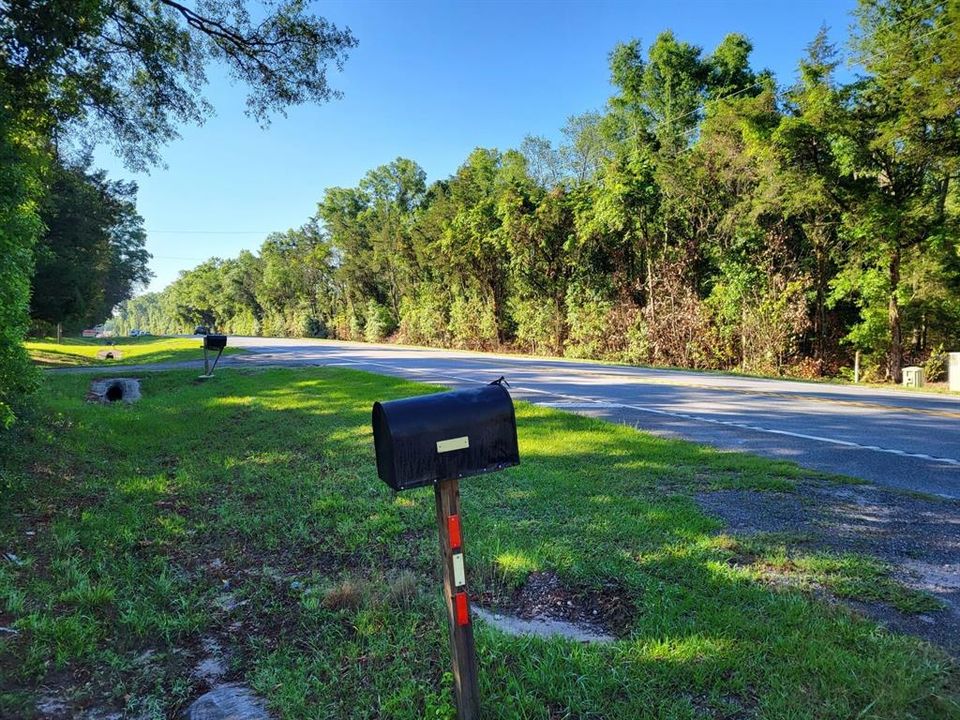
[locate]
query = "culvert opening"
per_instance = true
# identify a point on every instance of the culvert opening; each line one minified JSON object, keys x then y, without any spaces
{"x":112,"y":390}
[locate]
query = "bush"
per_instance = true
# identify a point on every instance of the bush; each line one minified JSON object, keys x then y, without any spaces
{"x":378,"y":322}
{"x":539,"y":326}
{"x":588,"y":317}
{"x":473,"y":322}
{"x":935,"y":367}
{"x":314,"y":327}
{"x":423,"y":319}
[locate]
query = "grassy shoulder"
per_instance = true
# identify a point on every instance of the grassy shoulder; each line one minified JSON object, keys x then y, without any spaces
{"x":74,"y":352}
{"x":246,"y":512}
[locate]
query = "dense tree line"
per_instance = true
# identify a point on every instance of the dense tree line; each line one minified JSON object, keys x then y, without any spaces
{"x":128,"y":73}
{"x":706,"y":218}
{"x":90,"y":255}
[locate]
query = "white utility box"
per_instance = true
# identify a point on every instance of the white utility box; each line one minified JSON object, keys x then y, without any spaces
{"x":913,"y":376}
{"x":953,"y":371}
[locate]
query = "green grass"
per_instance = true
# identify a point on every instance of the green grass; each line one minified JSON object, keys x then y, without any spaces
{"x":139,"y":351}
{"x":247,"y":510}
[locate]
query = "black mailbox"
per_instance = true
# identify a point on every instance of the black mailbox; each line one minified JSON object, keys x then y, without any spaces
{"x":214,"y":342}
{"x":425,"y":439}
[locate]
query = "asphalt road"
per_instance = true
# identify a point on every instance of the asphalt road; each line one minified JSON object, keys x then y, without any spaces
{"x":903,"y":440}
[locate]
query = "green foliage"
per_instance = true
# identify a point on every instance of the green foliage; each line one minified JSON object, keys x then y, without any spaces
{"x":588,"y":316}
{"x":473,"y":321}
{"x":76,"y":73}
{"x":21,"y":166}
{"x":378,"y":323}
{"x":935,"y":367}
{"x":130,"y":74}
{"x":91,"y":256}
{"x":424,"y":319}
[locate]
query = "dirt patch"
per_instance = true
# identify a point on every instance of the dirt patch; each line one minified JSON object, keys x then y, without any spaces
{"x":918,"y":537}
{"x":544,"y":597}
{"x":727,"y":707}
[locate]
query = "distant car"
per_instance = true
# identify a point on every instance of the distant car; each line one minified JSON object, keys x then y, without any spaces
{"x":144,"y":333}
{"x":135,"y":333}
{"x":201,"y":330}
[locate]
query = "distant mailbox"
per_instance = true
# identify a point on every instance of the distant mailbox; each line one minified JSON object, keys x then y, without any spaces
{"x":429,"y":438}
{"x":214,"y":342}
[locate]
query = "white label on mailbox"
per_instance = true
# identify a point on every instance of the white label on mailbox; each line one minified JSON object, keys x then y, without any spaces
{"x":459,"y":575}
{"x":460,"y":443}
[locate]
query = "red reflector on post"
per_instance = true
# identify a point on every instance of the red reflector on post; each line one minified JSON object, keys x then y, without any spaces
{"x":453,"y":530}
{"x":461,"y":608}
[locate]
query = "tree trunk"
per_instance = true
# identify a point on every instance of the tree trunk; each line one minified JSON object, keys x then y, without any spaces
{"x":895,"y":352}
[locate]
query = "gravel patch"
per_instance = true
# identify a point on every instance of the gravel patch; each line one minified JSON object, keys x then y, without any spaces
{"x":918,"y":537}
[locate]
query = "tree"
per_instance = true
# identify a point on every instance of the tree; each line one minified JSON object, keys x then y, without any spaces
{"x":706,"y":218}
{"x":131,"y":71}
{"x":805,"y":181}
{"x":91,"y":256}
{"x":393,"y":192}
{"x":901,"y":132}
{"x":21,"y":165}
{"x":585,"y":146}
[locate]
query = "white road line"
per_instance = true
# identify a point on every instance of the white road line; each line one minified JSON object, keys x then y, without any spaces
{"x":600,"y":404}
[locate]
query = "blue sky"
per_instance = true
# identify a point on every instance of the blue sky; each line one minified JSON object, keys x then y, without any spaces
{"x":429,"y":81}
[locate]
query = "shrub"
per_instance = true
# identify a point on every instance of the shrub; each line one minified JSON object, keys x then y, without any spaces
{"x":588,"y":317}
{"x":473,"y":322}
{"x":935,"y":367}
{"x":20,"y":165}
{"x":423,"y":319}
{"x":378,"y":322}
{"x":539,"y":325}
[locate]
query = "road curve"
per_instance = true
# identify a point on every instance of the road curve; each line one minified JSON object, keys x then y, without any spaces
{"x":904,"y":440}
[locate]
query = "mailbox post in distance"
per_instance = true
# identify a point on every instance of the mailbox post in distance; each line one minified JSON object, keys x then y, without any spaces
{"x":436,"y":440}
{"x":212,"y":342}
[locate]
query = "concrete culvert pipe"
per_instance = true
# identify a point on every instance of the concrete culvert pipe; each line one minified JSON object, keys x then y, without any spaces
{"x":113,"y":390}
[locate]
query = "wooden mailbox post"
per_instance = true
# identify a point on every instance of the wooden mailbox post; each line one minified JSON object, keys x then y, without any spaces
{"x":436,"y":440}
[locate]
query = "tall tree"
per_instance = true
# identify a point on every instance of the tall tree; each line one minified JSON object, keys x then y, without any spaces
{"x":902,"y":133}
{"x":91,"y":256}
{"x":21,"y":166}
